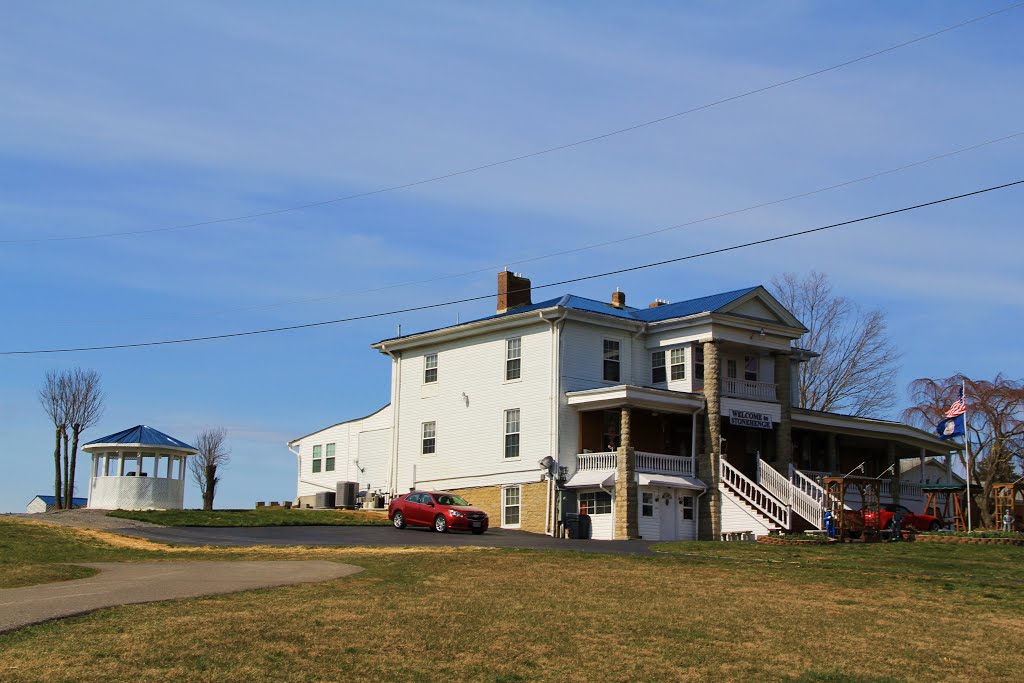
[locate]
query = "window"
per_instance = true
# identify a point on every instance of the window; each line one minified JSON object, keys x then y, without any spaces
{"x":596,"y":503}
{"x":750,"y":368}
{"x":698,"y":362}
{"x":316,"y":458}
{"x":329,"y":461}
{"x":512,"y":433}
{"x":687,"y":507}
{"x":677,"y":361}
{"x":611,"y":360}
{"x":647,"y":505}
{"x":429,"y":437}
{"x":429,"y":368}
{"x":658,"y":367}
{"x":510,"y":500}
{"x":730,"y":368}
{"x":513,"y":358}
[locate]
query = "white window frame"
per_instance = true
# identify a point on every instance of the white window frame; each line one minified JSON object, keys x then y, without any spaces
{"x":611,"y":502}
{"x":329,"y":457}
{"x":429,"y":364}
{"x":509,"y":424}
{"x":748,"y":362}
{"x":731,"y":368}
{"x":647,"y":504}
{"x":677,"y":360}
{"x":698,"y":363}
{"x":605,"y":360}
{"x":518,"y":505}
{"x":658,"y":362}
{"x":688,"y":505}
{"x":513,"y":359}
{"x":430,"y":426}
{"x":316,"y":464}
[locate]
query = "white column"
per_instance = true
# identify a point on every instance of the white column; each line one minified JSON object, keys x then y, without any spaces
{"x":156,"y":464}
{"x":120,"y":463}
{"x":106,"y":463}
{"x":138,"y":464}
{"x":923,"y":461}
{"x":181,"y":471}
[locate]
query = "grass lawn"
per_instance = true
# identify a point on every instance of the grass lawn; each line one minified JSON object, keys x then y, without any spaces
{"x":723,"y":612}
{"x":256,"y":517}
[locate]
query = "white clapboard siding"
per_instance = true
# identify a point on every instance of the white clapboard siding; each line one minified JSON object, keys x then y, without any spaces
{"x":348,"y":439}
{"x":468,"y":404}
{"x":736,"y":516}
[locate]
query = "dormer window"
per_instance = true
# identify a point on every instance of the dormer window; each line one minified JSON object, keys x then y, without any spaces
{"x":658,"y":367}
{"x":677,"y":364}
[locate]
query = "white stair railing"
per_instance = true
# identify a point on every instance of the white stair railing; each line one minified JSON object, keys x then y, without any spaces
{"x":757,"y":497}
{"x":774,"y":482}
{"x":808,"y":498}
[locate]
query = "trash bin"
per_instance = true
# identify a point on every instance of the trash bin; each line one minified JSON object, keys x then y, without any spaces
{"x":584,"y":525}
{"x":572,"y":524}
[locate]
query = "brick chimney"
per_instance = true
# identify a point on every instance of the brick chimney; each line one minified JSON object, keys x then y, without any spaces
{"x":618,"y":299}
{"x":513,"y":291}
{"x":656,"y":303}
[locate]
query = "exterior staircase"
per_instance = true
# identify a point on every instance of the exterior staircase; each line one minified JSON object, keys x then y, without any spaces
{"x":781,"y":503}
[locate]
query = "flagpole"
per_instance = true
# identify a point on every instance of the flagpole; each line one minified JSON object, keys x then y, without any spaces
{"x":967,"y":448}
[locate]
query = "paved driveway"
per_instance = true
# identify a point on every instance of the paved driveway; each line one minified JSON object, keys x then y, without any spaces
{"x":375,"y":536}
{"x":124,"y":583}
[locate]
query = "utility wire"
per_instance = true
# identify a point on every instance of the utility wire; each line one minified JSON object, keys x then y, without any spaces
{"x":528,"y":155}
{"x":581,"y":278}
{"x":564,"y":252}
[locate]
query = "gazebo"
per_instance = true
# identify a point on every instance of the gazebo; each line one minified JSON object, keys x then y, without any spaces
{"x":140,"y":468}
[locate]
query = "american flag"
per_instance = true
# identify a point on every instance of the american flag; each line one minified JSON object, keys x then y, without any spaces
{"x":958,"y":408}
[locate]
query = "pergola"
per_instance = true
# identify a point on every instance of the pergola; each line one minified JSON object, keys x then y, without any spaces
{"x":139,"y":468}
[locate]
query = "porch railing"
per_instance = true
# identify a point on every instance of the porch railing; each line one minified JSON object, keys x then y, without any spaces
{"x":658,"y":463}
{"x":741,"y":388}
{"x":596,"y":461}
{"x":908,"y":489}
{"x":663,"y":464}
{"x":756,"y":496}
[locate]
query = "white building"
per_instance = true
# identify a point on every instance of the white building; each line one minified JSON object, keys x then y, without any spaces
{"x":43,"y":503}
{"x":139,"y":468}
{"x":671,"y":421}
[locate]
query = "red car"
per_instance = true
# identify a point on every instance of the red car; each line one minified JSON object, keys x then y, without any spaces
{"x":438,"y":510}
{"x":910,"y":520}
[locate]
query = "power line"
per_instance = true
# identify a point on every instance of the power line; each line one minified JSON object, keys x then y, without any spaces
{"x":582,"y":278}
{"x":528,"y":155}
{"x":595,"y":245}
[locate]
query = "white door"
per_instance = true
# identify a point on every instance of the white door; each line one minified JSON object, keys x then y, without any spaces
{"x":669,"y":515}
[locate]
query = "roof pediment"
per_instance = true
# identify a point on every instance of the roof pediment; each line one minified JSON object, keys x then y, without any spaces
{"x":759,"y":304}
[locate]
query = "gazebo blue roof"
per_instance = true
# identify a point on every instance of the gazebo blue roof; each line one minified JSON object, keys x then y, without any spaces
{"x":142,"y":435}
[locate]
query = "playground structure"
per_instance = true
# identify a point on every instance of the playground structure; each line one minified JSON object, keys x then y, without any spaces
{"x":1006,"y":501}
{"x":947,"y":502}
{"x":850,"y":524}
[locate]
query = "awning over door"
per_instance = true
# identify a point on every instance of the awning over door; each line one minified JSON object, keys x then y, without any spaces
{"x":674,"y":480}
{"x":590,"y":478}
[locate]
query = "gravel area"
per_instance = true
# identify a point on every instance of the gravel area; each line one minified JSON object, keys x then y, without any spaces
{"x":86,"y":519}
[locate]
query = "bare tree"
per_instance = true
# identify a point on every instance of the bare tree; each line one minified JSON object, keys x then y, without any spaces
{"x":857,"y":363}
{"x":51,"y":397}
{"x":994,"y":424}
{"x":213,"y":454}
{"x":84,"y":407}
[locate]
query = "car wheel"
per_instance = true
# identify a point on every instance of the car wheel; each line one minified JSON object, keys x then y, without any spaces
{"x":399,"y":520}
{"x":934,"y":526}
{"x":440,"y":524}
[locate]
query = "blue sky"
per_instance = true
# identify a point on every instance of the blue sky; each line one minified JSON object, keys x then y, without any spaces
{"x":124,"y":116}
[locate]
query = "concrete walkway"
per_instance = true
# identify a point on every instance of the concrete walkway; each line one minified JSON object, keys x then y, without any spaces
{"x":124,"y":583}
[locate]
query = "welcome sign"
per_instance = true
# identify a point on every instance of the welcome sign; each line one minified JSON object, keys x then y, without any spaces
{"x":749,"y":418}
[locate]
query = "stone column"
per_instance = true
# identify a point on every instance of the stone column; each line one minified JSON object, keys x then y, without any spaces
{"x":709,"y":460}
{"x":626,"y":523}
{"x":784,"y":432}
{"x":833,"y":453}
{"x":890,"y":450}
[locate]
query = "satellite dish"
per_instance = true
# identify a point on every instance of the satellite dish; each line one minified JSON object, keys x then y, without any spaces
{"x":546,"y":463}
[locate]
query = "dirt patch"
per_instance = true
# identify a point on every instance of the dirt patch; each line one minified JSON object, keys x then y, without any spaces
{"x":84,"y":519}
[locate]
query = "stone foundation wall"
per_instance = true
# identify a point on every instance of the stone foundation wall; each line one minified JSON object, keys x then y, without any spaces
{"x":532,"y":504}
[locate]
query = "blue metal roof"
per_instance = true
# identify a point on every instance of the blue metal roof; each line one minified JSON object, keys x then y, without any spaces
{"x":704,"y":304}
{"x":141,"y":434}
{"x":52,"y":500}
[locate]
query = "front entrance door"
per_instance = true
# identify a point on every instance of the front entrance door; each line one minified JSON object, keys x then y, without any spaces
{"x":668,"y":512}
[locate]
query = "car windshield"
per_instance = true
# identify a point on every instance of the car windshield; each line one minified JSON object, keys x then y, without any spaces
{"x":449,"y":499}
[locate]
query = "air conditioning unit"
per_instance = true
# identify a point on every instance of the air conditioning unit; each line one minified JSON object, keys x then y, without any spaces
{"x":324,"y":500}
{"x":348,"y":493}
